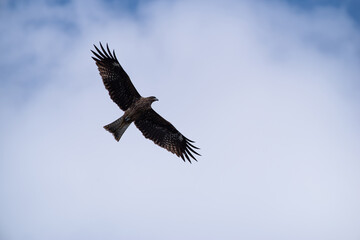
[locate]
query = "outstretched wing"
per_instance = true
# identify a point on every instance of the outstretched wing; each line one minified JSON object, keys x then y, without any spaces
{"x":164,"y":134}
{"x":116,"y":81}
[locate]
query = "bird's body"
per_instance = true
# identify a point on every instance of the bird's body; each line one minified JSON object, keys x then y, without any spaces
{"x":138,"y":109}
{"x":135,"y":111}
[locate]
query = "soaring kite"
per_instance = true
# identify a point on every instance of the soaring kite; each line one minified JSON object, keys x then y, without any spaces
{"x":138,"y":109}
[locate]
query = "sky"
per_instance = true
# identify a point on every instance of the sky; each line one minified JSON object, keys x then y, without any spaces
{"x":269,"y":91}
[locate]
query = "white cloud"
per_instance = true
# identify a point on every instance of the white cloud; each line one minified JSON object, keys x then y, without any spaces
{"x":267,"y":91}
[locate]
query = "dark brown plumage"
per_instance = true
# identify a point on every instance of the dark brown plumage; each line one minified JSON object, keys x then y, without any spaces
{"x":138,"y":109}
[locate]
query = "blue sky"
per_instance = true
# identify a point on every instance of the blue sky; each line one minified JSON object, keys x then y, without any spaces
{"x":267,"y":89}
{"x":350,"y":6}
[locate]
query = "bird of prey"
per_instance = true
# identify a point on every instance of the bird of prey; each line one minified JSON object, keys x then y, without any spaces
{"x":138,"y":109}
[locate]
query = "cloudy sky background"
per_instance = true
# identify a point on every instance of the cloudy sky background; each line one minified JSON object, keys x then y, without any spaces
{"x":269,"y":90}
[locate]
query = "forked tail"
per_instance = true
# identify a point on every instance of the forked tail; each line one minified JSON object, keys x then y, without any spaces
{"x":117,"y":128}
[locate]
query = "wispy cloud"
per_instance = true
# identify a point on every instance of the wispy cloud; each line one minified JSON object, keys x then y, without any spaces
{"x":267,"y":90}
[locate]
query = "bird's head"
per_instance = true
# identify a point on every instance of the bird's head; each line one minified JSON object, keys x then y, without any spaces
{"x":153,"y":99}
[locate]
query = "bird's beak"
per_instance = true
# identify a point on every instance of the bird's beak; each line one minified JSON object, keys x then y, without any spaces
{"x":156,"y":99}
